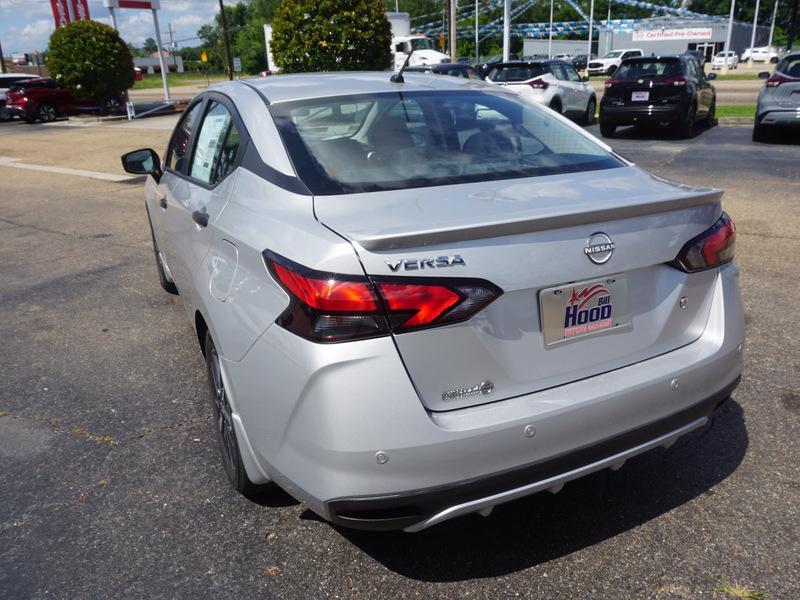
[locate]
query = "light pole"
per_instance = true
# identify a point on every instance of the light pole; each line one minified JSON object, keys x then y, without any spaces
{"x":772,"y":25}
{"x":728,"y":39}
{"x":550,"y":38}
{"x":453,"y":53}
{"x":609,"y":31}
{"x":477,"y":41}
{"x":589,"y":44}
{"x":753,"y":35}
{"x":506,"y":30}
{"x":227,"y":42}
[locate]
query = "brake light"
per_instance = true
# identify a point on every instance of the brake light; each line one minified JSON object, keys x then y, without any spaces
{"x":712,"y":248}
{"x":538,"y":84}
{"x":776,"y":80}
{"x":327,"y":307}
{"x":609,"y":83}
{"x":677,"y":81}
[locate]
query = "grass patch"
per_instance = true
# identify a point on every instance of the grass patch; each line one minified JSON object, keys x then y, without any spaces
{"x":742,"y":76}
{"x":736,"y":110}
{"x":177,"y":79}
{"x":735,"y":590}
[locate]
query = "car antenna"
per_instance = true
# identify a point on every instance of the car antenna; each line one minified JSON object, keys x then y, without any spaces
{"x":398,"y":77}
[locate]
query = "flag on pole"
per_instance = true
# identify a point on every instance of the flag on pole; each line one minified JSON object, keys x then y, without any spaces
{"x":60,"y":12}
{"x":80,"y":10}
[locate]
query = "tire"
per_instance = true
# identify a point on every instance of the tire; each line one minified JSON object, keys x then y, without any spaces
{"x":111,"y":106}
{"x":223,"y":424}
{"x":711,"y":117}
{"x":4,"y":115}
{"x":611,"y":70}
{"x":166,"y":284}
{"x":607,"y":130}
{"x":46,"y":112}
{"x":760,"y":133}
{"x":591,"y":111}
{"x":686,"y":128}
{"x":555,"y":104}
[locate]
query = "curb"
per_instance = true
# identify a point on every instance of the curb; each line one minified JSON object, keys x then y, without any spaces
{"x":735,"y":120}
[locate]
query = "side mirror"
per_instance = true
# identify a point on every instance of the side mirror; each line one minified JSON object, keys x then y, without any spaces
{"x":763,"y":75}
{"x":142,"y":162}
{"x":711,"y":76}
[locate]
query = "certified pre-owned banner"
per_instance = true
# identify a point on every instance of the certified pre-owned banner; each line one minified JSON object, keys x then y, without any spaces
{"x":80,"y":10}
{"x":691,"y":33}
{"x":60,"y":12}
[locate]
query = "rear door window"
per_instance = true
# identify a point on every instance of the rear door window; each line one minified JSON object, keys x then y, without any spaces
{"x":511,"y":73}
{"x":217,"y":145}
{"x":648,"y":69}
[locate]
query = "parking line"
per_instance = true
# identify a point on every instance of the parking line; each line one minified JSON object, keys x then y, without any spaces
{"x":7,"y":161}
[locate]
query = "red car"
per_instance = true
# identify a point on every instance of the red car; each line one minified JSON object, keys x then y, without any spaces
{"x":45,"y":100}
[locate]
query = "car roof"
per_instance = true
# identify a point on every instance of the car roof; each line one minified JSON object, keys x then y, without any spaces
{"x":534,"y":61}
{"x":26,"y":75}
{"x":302,"y":86}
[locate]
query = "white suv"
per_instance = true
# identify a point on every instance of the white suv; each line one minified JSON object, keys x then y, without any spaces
{"x":725,"y":59}
{"x":611,"y":61}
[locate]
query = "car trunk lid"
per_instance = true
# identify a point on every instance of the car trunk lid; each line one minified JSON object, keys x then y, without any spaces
{"x":529,"y":236}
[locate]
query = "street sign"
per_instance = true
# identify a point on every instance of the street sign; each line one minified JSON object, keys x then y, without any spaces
{"x":237,"y":64}
{"x":204,"y":56}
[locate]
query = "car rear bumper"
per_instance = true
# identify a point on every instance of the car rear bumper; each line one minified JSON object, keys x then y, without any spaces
{"x":15,"y":111}
{"x":781,"y":118}
{"x":630,"y":115}
{"x":349,"y":436}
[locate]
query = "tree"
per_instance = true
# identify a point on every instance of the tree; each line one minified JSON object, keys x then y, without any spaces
{"x":90,"y":59}
{"x":150,"y":46}
{"x":331,"y":35}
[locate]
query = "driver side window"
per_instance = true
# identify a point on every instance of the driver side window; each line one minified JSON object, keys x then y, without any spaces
{"x":178,"y":150}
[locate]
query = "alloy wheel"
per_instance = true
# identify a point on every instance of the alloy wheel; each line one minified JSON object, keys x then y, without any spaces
{"x":222,"y":415}
{"x":46,"y":113}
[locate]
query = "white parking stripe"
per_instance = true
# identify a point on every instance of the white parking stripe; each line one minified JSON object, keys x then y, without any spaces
{"x":7,"y":161}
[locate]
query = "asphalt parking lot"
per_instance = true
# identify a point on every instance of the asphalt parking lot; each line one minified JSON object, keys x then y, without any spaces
{"x":111,"y":483}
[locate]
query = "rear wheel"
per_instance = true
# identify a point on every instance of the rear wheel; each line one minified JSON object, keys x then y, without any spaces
{"x":555,"y":104}
{"x":760,"y":133}
{"x":607,"y":130}
{"x":711,"y":117}
{"x":46,"y":112}
{"x":223,"y":424}
{"x":591,"y":110}
{"x":4,"y":115}
{"x":687,"y":126}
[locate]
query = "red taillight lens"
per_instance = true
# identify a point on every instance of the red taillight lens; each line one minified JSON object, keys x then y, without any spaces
{"x":677,"y":81}
{"x":609,"y":83}
{"x":776,"y":80}
{"x":712,"y":248}
{"x":327,"y":307}
{"x":538,"y":84}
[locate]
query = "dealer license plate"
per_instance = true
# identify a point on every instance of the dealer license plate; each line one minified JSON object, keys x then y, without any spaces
{"x":578,"y":310}
{"x":640,"y":96}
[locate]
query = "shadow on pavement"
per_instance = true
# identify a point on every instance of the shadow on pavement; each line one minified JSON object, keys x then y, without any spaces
{"x":543,"y":527}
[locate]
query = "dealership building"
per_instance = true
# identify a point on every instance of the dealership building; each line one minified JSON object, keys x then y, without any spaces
{"x":668,"y":35}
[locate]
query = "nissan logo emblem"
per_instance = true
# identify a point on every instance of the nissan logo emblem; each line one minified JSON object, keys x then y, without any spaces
{"x":599,"y":248}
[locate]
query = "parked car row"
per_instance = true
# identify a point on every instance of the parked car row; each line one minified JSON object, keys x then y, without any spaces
{"x":7,"y":81}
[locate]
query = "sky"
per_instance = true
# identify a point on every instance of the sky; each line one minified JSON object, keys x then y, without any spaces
{"x":26,"y":25}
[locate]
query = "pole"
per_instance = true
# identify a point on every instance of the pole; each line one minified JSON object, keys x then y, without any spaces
{"x":550,"y":38}
{"x":591,"y":21}
{"x":772,"y":26}
{"x":3,"y":60}
{"x":452,"y":24}
{"x":172,"y":48}
{"x":753,"y":35}
{"x":396,"y":5}
{"x":161,"y":56}
{"x":113,"y":17}
{"x":227,"y":42}
{"x":792,"y":27}
{"x":477,"y":41}
{"x":609,"y":32}
{"x":506,"y":30}
{"x":728,"y":38}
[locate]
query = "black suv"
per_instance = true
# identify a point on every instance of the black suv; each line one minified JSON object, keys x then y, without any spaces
{"x":452,"y":69}
{"x":658,"y":90}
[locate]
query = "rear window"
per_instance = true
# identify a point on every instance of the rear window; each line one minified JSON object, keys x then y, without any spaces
{"x":509,"y":73}
{"x":648,"y":69}
{"x":790,"y":66}
{"x":390,"y":141}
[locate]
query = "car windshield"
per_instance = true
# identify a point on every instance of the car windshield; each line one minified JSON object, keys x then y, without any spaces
{"x":648,"y":69}
{"x":391,"y":141}
{"x":508,"y":73}
{"x":614,"y":54}
{"x":421,"y":44}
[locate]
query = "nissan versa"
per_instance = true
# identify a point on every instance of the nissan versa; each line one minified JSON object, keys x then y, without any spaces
{"x":421,"y":299}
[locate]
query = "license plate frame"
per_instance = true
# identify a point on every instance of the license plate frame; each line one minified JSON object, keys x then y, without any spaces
{"x":640,"y":96}
{"x":555,"y":301}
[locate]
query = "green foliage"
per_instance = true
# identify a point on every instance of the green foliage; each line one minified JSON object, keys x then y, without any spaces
{"x":331,"y":35}
{"x":149,"y":46}
{"x":90,"y":59}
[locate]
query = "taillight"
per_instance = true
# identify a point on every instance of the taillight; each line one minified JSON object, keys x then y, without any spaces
{"x":609,"y":83}
{"x":712,"y":248}
{"x":776,"y":80}
{"x":538,"y":84}
{"x":328,"y":307}
{"x":677,"y":81}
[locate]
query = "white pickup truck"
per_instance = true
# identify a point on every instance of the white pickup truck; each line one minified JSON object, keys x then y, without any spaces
{"x":609,"y":63}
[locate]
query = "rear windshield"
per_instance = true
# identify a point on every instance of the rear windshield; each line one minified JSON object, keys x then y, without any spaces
{"x":790,"y":66}
{"x":648,"y":69}
{"x":516,"y":72}
{"x":390,"y":141}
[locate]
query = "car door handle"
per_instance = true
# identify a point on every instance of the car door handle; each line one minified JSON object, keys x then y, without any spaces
{"x":163,"y":202}
{"x":200,"y":217}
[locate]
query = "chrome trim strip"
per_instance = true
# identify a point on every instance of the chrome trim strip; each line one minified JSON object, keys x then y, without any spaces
{"x":556,"y":481}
